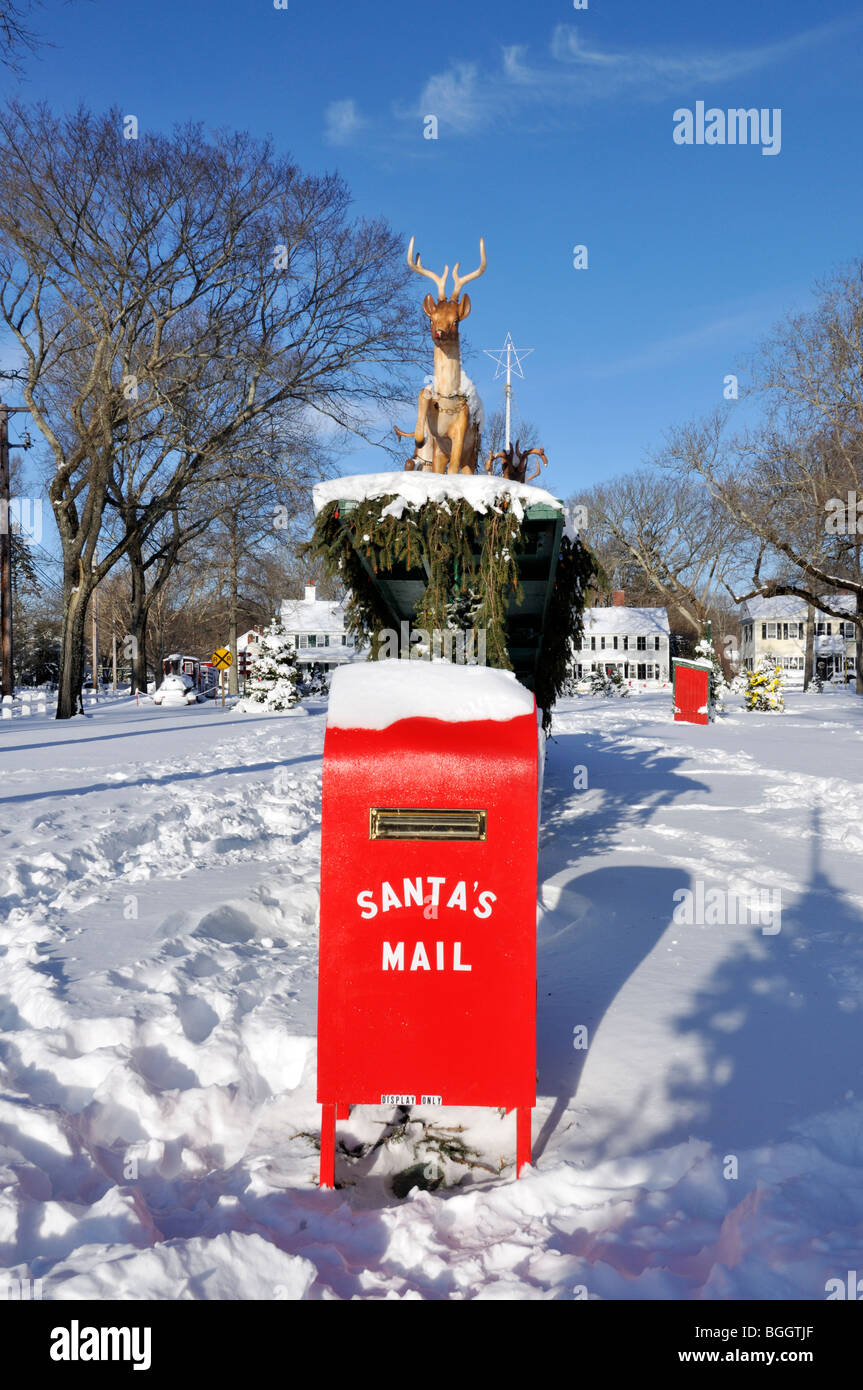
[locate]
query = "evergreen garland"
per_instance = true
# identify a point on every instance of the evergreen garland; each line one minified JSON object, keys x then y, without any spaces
{"x":577,"y":571}
{"x":469,"y":564}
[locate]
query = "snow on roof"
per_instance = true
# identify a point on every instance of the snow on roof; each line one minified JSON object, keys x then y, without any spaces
{"x":630,"y":622}
{"x":313,"y":615}
{"x":827,"y":646}
{"x":415,"y":489}
{"x":375,"y":694}
{"x":790,"y":606}
{"x":784,"y":606}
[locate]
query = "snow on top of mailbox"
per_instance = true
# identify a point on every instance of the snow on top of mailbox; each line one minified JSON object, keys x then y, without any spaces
{"x":414,"y":490}
{"x":375,"y":694}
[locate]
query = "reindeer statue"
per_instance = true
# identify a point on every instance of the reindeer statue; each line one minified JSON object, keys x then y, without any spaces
{"x":514,"y":463}
{"x":449,"y":414}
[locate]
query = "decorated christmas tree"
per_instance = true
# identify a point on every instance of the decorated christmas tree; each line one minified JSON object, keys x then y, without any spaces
{"x":764,"y":687}
{"x":272,"y":682}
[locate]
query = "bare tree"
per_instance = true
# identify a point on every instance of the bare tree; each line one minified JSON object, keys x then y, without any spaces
{"x":169,"y":292}
{"x":671,"y":537}
{"x":794,"y":483}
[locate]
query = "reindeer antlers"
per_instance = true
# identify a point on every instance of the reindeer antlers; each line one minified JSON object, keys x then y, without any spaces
{"x":419,"y":269}
{"x":459,"y":280}
{"x":417,"y":266}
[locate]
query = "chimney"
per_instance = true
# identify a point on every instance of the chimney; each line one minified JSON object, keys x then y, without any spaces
{"x":310,"y":593}
{"x":618,"y":598}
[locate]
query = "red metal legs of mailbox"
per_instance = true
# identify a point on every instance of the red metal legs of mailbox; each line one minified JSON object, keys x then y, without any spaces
{"x":328,"y":1146}
{"x":329,"y":1115}
{"x":522,"y":1142}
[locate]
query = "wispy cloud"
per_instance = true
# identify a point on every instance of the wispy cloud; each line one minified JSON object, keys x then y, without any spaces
{"x":466,"y":96}
{"x":343,"y":122}
{"x":731,"y":328}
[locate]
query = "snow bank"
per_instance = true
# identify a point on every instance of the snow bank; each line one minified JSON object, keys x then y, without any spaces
{"x":379,"y":693}
{"x":158,"y":1115}
{"x":416,"y":489}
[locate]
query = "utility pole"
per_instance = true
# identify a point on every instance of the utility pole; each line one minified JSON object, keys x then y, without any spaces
{"x":7,"y":685}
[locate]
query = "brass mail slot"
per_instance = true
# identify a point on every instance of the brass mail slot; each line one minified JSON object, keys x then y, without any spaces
{"x":391,"y":823}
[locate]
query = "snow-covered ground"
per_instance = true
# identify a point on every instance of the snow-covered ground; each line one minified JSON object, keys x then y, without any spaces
{"x":158,"y":1125}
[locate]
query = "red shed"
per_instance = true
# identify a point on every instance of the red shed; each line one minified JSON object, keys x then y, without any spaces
{"x":692,"y":691}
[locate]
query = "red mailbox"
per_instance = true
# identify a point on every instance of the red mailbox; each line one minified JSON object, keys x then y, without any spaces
{"x":427,"y":967}
{"x":692,"y":691}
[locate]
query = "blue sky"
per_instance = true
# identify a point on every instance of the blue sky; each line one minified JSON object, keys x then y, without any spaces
{"x":555,"y":130}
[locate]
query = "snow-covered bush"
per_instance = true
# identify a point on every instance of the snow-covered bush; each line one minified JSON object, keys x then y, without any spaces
{"x":603,"y":683}
{"x":764,"y":687}
{"x":600,"y":682}
{"x":272,"y":683}
{"x":316,"y":682}
{"x":718,"y":685}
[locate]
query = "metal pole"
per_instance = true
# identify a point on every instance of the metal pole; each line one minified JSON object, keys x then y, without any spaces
{"x":114,"y":663}
{"x":508,"y":394}
{"x":7,"y":684}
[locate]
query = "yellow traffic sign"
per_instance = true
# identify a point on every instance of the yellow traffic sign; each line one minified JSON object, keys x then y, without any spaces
{"x":221,"y":659}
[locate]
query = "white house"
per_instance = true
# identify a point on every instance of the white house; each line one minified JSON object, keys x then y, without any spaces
{"x":634,"y":640}
{"x":776,"y":628}
{"x":317,"y":627}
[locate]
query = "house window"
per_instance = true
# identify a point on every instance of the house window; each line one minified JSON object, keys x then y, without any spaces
{"x":641,"y":644}
{"x":771,"y":630}
{"x":303,"y":639}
